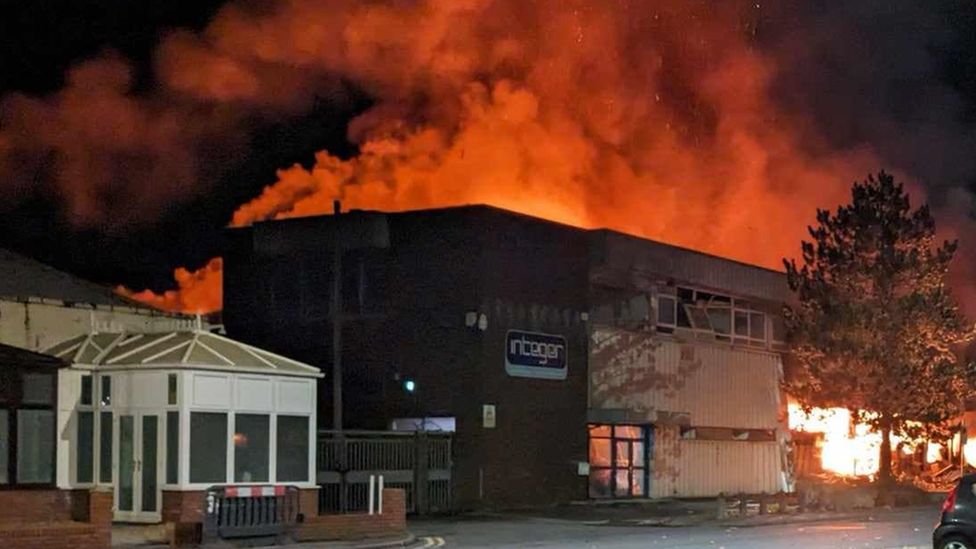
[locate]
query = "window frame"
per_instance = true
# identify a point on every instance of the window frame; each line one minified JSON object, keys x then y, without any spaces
{"x":275,"y":448}
{"x":673,"y":307}
{"x":617,"y":435}
{"x":14,"y":375}
{"x":239,"y":452}
{"x":698,"y":309}
{"x":102,"y":406}
{"x":228,"y":416}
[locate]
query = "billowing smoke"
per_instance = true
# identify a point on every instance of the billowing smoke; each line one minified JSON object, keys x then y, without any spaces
{"x":113,"y":158}
{"x":717,"y":126}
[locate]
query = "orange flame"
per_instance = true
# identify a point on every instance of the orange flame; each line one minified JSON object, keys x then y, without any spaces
{"x":200,"y":291}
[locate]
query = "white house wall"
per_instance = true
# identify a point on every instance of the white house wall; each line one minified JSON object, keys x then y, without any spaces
{"x":210,"y":391}
{"x":69,"y":393}
{"x":254,"y":394}
{"x":38,"y":325}
{"x":714,"y":385}
{"x":296,"y":396}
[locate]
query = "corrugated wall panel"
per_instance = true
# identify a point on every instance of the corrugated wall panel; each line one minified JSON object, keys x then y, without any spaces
{"x":619,"y":251}
{"x":717,"y":385}
{"x":702,"y":468}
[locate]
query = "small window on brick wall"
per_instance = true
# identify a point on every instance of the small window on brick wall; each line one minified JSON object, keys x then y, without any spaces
{"x":27,"y":430}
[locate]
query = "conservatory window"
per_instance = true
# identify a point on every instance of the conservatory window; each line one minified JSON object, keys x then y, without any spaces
{"x":86,"y":447}
{"x":208,"y":447}
{"x":251,"y":451}
{"x":105,"y":447}
{"x":106,"y":391}
{"x":172,"y":447}
{"x":292,"y":449}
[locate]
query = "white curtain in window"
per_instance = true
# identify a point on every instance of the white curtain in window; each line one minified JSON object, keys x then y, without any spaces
{"x":35,"y":446}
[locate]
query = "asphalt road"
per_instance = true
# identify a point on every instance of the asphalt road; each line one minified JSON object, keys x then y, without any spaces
{"x":883,"y":530}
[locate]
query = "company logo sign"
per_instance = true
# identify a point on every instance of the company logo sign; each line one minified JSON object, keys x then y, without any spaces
{"x":530,"y":354}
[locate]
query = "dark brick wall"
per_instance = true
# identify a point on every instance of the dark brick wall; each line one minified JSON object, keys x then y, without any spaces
{"x":36,"y":505}
{"x":391,"y":523}
{"x":58,"y":519}
{"x":522,"y":272}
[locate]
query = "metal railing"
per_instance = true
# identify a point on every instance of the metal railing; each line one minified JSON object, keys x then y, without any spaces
{"x":419,"y":463}
{"x":234,"y":512}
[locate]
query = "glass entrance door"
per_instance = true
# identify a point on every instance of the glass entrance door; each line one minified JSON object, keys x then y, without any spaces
{"x":137,"y":493}
{"x":619,"y":461}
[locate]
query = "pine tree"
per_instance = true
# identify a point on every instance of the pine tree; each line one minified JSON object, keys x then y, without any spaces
{"x":874,"y":327}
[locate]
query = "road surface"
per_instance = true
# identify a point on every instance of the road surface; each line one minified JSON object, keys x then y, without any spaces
{"x":883,"y":530}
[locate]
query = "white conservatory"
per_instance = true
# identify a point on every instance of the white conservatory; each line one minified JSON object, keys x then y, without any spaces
{"x":178,"y":412}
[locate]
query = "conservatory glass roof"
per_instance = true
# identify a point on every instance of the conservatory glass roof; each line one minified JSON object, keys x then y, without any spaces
{"x":174,"y":349}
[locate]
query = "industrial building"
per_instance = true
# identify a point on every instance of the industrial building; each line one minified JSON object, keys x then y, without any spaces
{"x":569,"y":363}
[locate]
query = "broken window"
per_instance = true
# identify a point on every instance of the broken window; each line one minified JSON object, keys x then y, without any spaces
{"x":714,"y":313}
{"x":721,"y":320}
{"x":666,"y":314}
{"x":699,"y":318}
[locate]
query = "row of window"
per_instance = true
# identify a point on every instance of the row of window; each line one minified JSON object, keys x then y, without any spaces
{"x":725,"y":317}
{"x":251,"y":438}
{"x":208,"y":448}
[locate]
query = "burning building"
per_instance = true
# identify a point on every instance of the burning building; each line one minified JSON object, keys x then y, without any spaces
{"x":571,"y":363}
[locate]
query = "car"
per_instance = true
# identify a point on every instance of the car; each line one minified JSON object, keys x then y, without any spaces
{"x":957,"y":525}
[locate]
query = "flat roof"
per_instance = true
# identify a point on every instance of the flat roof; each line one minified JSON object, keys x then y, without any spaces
{"x":511,"y":213}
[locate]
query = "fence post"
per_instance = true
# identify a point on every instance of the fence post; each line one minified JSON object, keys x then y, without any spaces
{"x":380,"y":495}
{"x":372,"y":492}
{"x":343,"y":467}
{"x":420,"y":483}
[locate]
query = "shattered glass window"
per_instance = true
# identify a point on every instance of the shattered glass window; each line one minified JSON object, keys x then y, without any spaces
{"x":666,"y":314}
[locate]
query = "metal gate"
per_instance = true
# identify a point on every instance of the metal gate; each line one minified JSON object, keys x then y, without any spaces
{"x":420,"y":463}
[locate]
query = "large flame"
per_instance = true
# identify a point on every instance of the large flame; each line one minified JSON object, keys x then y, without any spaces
{"x":852,"y":449}
{"x":653,"y":118}
{"x":200,"y":291}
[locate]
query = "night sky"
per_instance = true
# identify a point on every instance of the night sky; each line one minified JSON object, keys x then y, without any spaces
{"x":864,"y":76}
{"x":41,"y":41}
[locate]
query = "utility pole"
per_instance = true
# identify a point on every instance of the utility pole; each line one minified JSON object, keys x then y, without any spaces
{"x":337,"y":321}
{"x":337,"y":353}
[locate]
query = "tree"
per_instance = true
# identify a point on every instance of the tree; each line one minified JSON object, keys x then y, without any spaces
{"x":874,"y":327}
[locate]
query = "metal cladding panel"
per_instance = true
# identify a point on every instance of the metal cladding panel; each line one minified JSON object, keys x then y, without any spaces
{"x":616,"y":251}
{"x":359,"y":230}
{"x":704,"y":468}
{"x":709,"y":385}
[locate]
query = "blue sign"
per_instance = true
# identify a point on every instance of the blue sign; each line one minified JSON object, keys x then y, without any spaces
{"x":529,"y":354}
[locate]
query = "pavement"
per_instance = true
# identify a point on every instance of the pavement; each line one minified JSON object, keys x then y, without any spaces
{"x":907,"y":528}
{"x":661,"y":525}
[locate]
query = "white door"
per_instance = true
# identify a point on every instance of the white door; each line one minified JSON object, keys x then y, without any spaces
{"x":137,"y":493}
